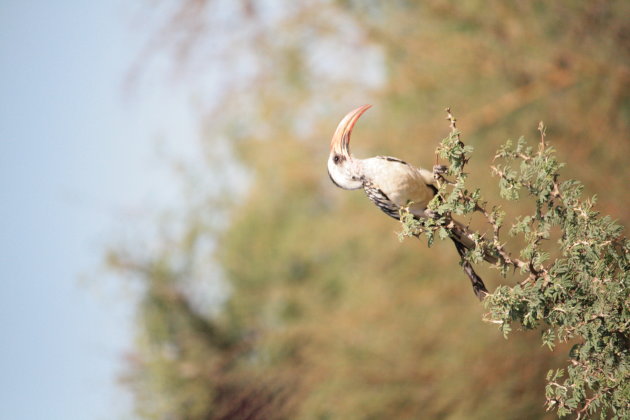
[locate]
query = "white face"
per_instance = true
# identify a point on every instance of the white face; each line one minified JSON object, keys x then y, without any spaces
{"x":343,"y":171}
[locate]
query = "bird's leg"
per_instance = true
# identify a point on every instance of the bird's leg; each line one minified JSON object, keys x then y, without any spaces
{"x":440,"y":169}
{"x":430,"y":213}
{"x":438,"y":173}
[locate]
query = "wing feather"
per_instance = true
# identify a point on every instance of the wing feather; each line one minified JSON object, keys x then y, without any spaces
{"x":398,"y":184}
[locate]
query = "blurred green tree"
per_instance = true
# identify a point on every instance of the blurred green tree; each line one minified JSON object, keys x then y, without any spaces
{"x":327,"y":315}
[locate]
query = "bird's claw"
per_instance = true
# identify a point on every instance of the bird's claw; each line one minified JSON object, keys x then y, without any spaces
{"x":430,"y":214}
{"x":440,"y":169}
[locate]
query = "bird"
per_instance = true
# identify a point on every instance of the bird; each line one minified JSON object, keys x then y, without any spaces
{"x":393,"y":184}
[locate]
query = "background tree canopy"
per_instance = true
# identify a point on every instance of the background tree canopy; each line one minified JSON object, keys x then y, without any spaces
{"x":325,"y":314}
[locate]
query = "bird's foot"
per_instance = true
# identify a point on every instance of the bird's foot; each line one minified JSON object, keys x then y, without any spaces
{"x":438,"y":174}
{"x":430,"y":214}
{"x":440,"y":170}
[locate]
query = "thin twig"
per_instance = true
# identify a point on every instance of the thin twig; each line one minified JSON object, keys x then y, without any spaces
{"x":452,"y":123}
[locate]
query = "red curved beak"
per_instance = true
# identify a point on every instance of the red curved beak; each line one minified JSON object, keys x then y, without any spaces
{"x":340,"y":142}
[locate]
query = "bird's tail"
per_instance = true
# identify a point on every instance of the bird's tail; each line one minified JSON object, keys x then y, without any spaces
{"x":477,"y":283}
{"x":462,"y":238}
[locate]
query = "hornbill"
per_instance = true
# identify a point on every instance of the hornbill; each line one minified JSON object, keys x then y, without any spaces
{"x":392,"y":184}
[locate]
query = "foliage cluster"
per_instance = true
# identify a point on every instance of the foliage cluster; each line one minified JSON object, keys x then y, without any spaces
{"x":580,"y":294}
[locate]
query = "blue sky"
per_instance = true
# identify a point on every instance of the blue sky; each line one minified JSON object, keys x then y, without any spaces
{"x":78,"y":163}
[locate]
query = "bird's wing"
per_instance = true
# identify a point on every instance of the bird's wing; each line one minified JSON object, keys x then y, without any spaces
{"x":401,"y":182}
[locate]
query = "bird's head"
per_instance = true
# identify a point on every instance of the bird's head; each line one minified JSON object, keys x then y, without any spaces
{"x":342,"y":168}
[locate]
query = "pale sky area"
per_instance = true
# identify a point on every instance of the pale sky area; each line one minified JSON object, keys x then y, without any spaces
{"x":78,"y":163}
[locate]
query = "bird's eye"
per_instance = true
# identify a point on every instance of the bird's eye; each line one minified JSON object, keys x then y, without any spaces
{"x":337,"y":159}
